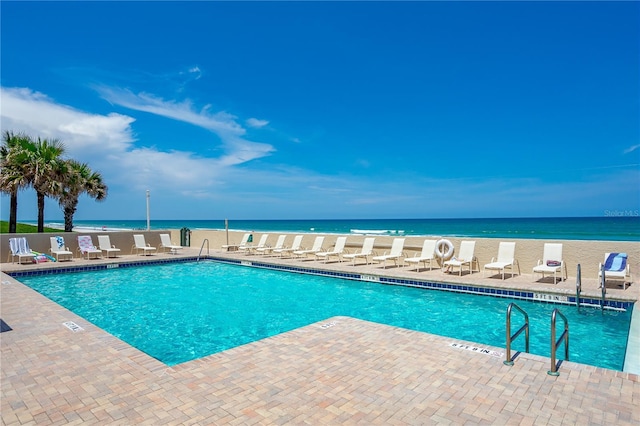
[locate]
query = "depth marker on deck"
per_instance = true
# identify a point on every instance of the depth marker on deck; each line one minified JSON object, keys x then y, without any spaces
{"x":72,"y":326}
{"x":477,"y":349}
{"x":328,"y":325}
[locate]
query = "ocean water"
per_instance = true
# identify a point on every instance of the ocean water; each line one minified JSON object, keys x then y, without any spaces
{"x":609,"y":228}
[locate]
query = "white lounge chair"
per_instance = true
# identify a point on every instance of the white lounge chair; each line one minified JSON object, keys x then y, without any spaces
{"x":104,"y":242}
{"x":252,"y":249}
{"x":337,"y":251}
{"x":427,"y":255}
{"x":395,"y":254}
{"x":19,"y":248}
{"x":316,"y":248}
{"x":465,"y":257}
{"x":284,"y":251}
{"x":167,"y":246}
{"x":506,"y":259}
{"x":268,"y":249}
{"x":59,"y":251}
{"x":616,"y":267}
{"x":552,"y":262}
{"x":86,"y":247}
{"x":241,"y":245}
{"x":366,"y":251}
{"x":140,"y":246}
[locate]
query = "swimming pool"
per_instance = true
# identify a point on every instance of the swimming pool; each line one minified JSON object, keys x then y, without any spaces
{"x":184,"y":311}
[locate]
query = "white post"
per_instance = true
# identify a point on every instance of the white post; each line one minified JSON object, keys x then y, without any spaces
{"x":148,"y":217}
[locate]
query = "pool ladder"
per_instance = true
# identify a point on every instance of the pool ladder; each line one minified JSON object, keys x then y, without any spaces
{"x":555,"y":344}
{"x":578,"y":286}
{"x":510,"y":337}
{"x":206,"y":240}
{"x":603,"y":287}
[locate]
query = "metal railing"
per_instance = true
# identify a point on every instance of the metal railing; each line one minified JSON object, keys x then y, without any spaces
{"x":603,"y":287}
{"x":555,"y":344}
{"x":206,"y":240}
{"x":578,"y":286}
{"x":510,"y":338}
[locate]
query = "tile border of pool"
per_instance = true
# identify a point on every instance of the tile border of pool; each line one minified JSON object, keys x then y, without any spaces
{"x":368,"y":277}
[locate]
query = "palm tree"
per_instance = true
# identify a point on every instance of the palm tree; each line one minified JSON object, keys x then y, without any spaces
{"x":13,"y":159}
{"x":44,"y":159}
{"x":75,"y":179}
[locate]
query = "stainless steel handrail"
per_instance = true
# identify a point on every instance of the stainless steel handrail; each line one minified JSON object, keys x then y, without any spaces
{"x":556,"y":343}
{"x":578,"y":286}
{"x":510,"y":338}
{"x":206,"y":240}
{"x":603,"y":287}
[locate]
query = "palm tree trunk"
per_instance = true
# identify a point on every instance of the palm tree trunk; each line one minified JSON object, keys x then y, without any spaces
{"x":13,"y":213}
{"x":40,"y":211}
{"x":68,"y":219}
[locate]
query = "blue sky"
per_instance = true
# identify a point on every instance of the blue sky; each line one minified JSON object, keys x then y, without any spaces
{"x":294,"y":110}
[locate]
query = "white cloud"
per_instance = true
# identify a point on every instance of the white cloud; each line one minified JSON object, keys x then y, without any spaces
{"x":256,"y":123}
{"x":196,"y":70}
{"x":220,"y":122}
{"x":107,"y":144}
{"x":237,"y":149}
{"x":37,"y":115}
{"x":631,"y":149}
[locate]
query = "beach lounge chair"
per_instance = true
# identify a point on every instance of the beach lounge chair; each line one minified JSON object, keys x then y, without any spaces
{"x":167,"y":246}
{"x":506,"y":259}
{"x":86,"y":247}
{"x":427,"y":255}
{"x":337,"y":251}
{"x":395,"y":254}
{"x":284,"y":251}
{"x":59,"y":251}
{"x":240,"y":246}
{"x":552,"y":262}
{"x":465,"y":257}
{"x":616,"y":267}
{"x":20,"y":250}
{"x":268,"y":249}
{"x":251,"y":249}
{"x":366,"y":251}
{"x":104,"y":242}
{"x":316,"y":248}
{"x":140,"y":246}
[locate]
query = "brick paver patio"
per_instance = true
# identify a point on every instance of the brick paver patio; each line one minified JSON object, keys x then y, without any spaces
{"x":339,"y":371}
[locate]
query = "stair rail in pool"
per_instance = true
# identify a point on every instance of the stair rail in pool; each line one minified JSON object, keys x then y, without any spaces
{"x":555,"y":344}
{"x":510,"y":338}
{"x":578,"y":286}
{"x":206,"y":240}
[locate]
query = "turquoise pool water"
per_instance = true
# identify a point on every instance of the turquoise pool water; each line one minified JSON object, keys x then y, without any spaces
{"x":184,"y":311}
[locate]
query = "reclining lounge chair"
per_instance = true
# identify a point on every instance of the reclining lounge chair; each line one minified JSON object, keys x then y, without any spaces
{"x":86,"y":247}
{"x":427,"y":255}
{"x":105,"y":245}
{"x":395,"y":254}
{"x":366,"y":251}
{"x":615,"y":267}
{"x":506,"y":259}
{"x":552,"y":262}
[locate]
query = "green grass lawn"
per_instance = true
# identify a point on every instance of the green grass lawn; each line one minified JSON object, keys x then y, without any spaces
{"x":22,"y":228}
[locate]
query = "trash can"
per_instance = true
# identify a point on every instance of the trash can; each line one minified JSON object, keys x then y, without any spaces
{"x":185,"y":237}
